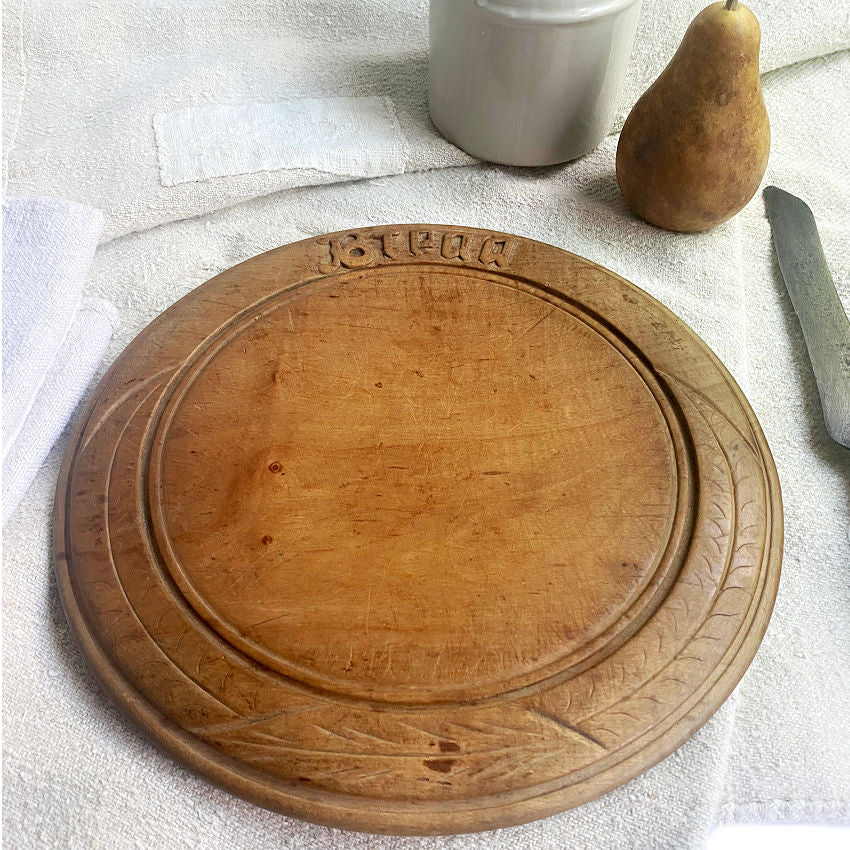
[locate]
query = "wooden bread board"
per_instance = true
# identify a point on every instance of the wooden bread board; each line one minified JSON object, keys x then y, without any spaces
{"x":418,"y":529}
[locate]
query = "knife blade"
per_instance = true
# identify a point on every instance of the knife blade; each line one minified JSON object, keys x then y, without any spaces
{"x":816,"y":302}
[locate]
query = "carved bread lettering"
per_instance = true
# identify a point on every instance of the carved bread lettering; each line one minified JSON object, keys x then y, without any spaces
{"x":359,"y":250}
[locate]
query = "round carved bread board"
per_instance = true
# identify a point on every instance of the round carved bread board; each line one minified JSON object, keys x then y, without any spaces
{"x":418,"y":529}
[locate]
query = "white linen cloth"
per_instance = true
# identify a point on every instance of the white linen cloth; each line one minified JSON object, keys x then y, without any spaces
{"x":790,"y":754}
{"x":134,"y":59}
{"x":53,"y":339}
{"x":76,"y":773}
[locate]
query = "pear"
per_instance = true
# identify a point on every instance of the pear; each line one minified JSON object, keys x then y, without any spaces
{"x":694,"y":147}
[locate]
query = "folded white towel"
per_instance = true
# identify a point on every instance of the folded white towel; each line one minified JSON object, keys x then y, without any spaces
{"x":51,"y":344}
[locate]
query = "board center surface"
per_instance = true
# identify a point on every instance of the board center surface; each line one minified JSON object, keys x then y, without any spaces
{"x":423,"y":442}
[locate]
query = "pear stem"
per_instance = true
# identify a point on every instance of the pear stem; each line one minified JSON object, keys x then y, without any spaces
{"x":731,"y":5}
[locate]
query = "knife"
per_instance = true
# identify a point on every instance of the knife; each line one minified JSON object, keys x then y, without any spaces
{"x":822,"y":317}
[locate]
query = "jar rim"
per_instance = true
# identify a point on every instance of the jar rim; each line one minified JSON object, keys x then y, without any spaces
{"x":551,"y":11}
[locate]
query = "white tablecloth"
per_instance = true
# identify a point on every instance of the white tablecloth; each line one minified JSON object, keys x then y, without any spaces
{"x":84,"y":84}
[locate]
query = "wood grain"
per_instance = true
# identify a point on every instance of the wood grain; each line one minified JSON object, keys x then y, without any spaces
{"x":418,"y":530}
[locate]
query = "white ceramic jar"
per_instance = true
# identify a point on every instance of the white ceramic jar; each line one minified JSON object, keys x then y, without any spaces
{"x":528,"y":82}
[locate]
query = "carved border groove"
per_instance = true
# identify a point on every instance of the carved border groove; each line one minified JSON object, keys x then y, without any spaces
{"x":609,"y":637}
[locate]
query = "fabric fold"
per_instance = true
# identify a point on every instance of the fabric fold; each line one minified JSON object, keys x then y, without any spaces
{"x":48,"y":247}
{"x":71,"y":372}
{"x":53,"y":339}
